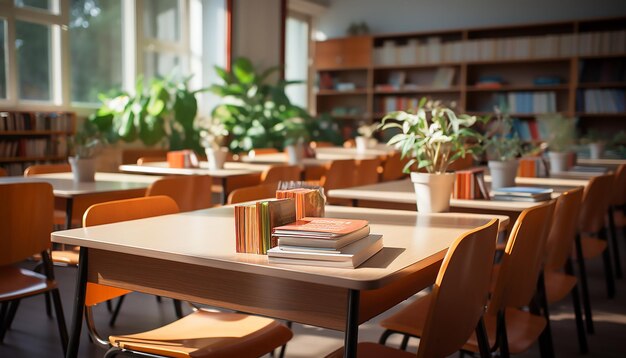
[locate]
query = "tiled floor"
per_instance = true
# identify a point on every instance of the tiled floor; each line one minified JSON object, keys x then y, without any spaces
{"x":34,"y":335}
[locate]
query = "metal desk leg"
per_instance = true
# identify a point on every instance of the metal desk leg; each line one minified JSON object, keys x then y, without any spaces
{"x":79,"y":305}
{"x":223,"y":190}
{"x":69,"y":207}
{"x":351,"y":337}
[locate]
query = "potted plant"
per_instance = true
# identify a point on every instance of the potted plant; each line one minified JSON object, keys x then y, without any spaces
{"x":559,"y":135}
{"x":596,"y":145}
{"x":433,"y":136}
{"x":84,"y":146}
{"x":366,"y":138}
{"x":296,"y":134}
{"x":212,"y":138}
{"x":502,"y":148}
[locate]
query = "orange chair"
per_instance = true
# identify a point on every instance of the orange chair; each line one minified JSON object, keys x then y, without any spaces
{"x":276,"y":173}
{"x":251,"y":193}
{"x":393,"y":167}
{"x":559,"y":246}
{"x":367,"y":171}
{"x":47,"y":168}
{"x":591,"y":240}
{"x":201,"y":333}
{"x":350,"y":143}
{"x":26,"y":221}
{"x":339,"y":174}
{"x":261,"y":151}
{"x":321,"y":145}
{"x":143,"y":160}
{"x":130,"y":156}
{"x":3,"y":172}
{"x":190,"y":192}
{"x":457,"y":302}
{"x":509,"y":328}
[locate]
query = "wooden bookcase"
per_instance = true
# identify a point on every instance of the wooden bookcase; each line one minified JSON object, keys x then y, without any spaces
{"x":576,"y":68}
{"x":28,"y":138}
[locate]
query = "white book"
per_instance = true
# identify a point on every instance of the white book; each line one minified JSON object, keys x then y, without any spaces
{"x":336,"y":243}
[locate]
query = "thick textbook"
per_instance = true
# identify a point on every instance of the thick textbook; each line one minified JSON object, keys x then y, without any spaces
{"x":320,"y":227}
{"x":350,"y":256}
{"x":338,"y":242}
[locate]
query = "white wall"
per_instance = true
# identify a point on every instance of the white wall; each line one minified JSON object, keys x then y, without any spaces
{"x":384,"y":16}
{"x":256,"y":31}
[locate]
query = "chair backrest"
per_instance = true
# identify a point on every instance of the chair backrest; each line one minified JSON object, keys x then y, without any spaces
{"x":460,"y":292}
{"x":26,"y":219}
{"x":393,"y":166}
{"x":619,"y":198}
{"x":3,"y":172}
{"x":261,"y":151}
{"x":367,"y":171}
{"x":250,"y":193}
{"x":190,"y":192}
{"x":116,"y":211}
{"x":322,"y":145}
{"x":143,"y":160}
{"x":339,"y":174}
{"x":276,"y":173}
{"x":47,"y":169}
{"x":596,"y":200}
{"x":522,"y":259}
{"x":130,"y":156}
{"x":563,"y":229}
{"x":350,"y":143}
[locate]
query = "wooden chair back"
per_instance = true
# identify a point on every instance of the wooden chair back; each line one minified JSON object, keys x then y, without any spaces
{"x":619,"y":197}
{"x":47,"y":169}
{"x":190,"y":192}
{"x":596,"y":200}
{"x":3,"y":172}
{"x":339,"y":174}
{"x":116,"y":211}
{"x":460,"y":292}
{"x":26,"y":220}
{"x":250,"y":193}
{"x":563,"y":229}
{"x":523,"y":258}
{"x":261,"y":151}
{"x":143,"y":160}
{"x":130,"y":156}
{"x":350,"y":143}
{"x":276,"y":173}
{"x":367,"y":171}
{"x":393,"y":166}
{"x":321,"y":145}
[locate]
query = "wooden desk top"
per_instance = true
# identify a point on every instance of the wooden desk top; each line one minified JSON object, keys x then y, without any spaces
{"x":601,"y":162}
{"x":402,"y":191}
{"x":322,"y":157}
{"x":162,"y":168}
{"x":412,"y":241}
{"x":340,"y":151}
{"x":549,"y":182}
{"x":64,"y":186}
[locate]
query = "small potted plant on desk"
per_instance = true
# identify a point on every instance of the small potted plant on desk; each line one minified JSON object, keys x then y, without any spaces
{"x":296,"y":134}
{"x":365,"y":139}
{"x":85,"y":146}
{"x":560,"y":133}
{"x":434,"y":137}
{"x":596,"y":145}
{"x":502,"y":148}
{"x":213,"y":134}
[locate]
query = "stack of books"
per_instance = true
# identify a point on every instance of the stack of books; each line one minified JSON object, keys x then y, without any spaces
{"x":532,"y":167}
{"x":254,"y":224}
{"x":521,"y":193}
{"x":470,"y":184}
{"x":308,"y":201}
{"x":325,"y":242}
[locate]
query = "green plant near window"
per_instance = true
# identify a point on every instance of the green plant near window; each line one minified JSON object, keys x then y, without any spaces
{"x":433,"y":136}
{"x":499,"y":142}
{"x":258,"y":114}
{"x":161,"y":113}
{"x":561,"y":131}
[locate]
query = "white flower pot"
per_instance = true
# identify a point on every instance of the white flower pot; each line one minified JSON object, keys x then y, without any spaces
{"x":502,"y":173}
{"x":433,"y":191}
{"x":83,"y":169}
{"x":364,"y":143}
{"x":558,"y":161}
{"x":216,"y":157}
{"x":595,"y":150}
{"x":295,"y":153}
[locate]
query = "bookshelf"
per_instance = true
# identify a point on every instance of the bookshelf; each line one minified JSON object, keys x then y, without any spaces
{"x":576,"y":68}
{"x":28,"y":138}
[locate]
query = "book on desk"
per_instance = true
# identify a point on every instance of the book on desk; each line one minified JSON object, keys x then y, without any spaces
{"x":522,"y":193}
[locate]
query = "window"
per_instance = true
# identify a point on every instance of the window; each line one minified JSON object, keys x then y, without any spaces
{"x":96,"y":48}
{"x":48,"y":5}
{"x":3,"y":59}
{"x":161,"y":19}
{"x":162,"y":32}
{"x":297,"y":58}
{"x":33,"y":46}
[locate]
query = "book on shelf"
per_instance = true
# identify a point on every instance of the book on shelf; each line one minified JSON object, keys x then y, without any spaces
{"x":322,"y":228}
{"x":349,"y":256}
{"x":254,"y":224}
{"x":444,"y":76}
{"x":300,"y":241}
{"x":532,"y":167}
{"x":522,"y":193}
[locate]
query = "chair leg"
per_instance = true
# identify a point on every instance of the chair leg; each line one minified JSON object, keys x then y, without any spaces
{"x":109,"y":306}
{"x":545,"y":339}
{"x":118,"y":306}
{"x":4,"y":314}
{"x":283,"y":349}
{"x":46,"y":297}
{"x":483,"y":340}
{"x":614,"y":246}
{"x":383,"y":337}
{"x":11,"y":314}
{"x":112,"y":352}
{"x":582,"y":274}
{"x":580,"y":326}
{"x":608,"y":267}
{"x":178,"y":308}
{"x":405,"y":342}
{"x":58,"y":310}
{"x":503,"y":341}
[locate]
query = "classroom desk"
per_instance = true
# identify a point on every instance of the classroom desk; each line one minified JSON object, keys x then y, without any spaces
{"x":321,"y":158}
{"x":147,"y":256}
{"x":607,"y":162}
{"x":65,"y":187}
{"x":329,"y":152}
{"x":230,"y":170}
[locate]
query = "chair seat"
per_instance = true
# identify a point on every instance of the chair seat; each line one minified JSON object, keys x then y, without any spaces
{"x":558,"y":285}
{"x":209,"y":334}
{"x":522,"y":328}
{"x":67,"y":257}
{"x":592,"y":247}
{"x":17,"y":282}
{"x":410,"y":319}
{"x":373,"y":350}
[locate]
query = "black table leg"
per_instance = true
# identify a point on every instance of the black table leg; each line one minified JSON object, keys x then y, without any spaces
{"x":79,"y":304}
{"x":223,"y":190}
{"x":69,"y":207}
{"x":352,"y":324}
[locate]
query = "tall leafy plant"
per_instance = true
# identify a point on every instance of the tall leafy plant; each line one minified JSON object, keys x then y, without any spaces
{"x":161,"y":112}
{"x":258,"y":114}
